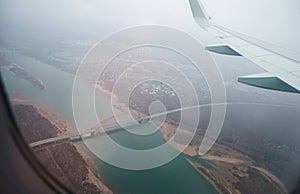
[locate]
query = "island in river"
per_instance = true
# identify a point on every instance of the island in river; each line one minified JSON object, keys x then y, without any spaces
{"x":60,"y":160}
{"x":21,"y":73}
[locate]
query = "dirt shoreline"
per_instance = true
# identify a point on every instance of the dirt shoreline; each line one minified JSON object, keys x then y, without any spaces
{"x":55,"y":119}
{"x":67,"y":162}
{"x":93,"y":175}
{"x":168,"y":130}
{"x":107,"y":92}
{"x":204,"y":172}
{"x":272,"y":177}
{"x":229,"y":175}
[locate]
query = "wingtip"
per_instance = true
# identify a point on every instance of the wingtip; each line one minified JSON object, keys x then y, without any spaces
{"x":199,"y":14}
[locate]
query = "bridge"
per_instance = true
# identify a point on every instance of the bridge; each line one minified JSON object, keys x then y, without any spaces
{"x":101,"y":128}
{"x":98,"y":129}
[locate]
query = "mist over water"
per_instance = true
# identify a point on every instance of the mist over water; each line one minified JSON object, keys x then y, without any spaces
{"x":50,"y":38}
{"x":176,"y":176}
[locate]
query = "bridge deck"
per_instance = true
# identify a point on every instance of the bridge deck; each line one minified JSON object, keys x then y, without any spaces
{"x":82,"y":135}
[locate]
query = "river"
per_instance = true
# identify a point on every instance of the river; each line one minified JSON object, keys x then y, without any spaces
{"x":177,"y":176}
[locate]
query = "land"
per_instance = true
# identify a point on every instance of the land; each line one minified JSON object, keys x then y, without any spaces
{"x":168,"y":131}
{"x":236,"y":167}
{"x":106,"y":92}
{"x":233,"y":175}
{"x":67,"y":162}
{"x":267,"y":149}
{"x":265,"y":128}
{"x":228,"y":170}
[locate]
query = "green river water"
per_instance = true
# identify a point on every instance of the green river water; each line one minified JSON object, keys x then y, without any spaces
{"x":177,"y":176}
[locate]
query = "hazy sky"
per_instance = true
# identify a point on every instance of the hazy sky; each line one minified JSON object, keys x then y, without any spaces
{"x":275,"y":21}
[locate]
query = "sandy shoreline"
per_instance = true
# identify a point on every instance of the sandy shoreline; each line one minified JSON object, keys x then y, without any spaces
{"x":107,"y":92}
{"x":230,"y":175}
{"x":55,"y":119}
{"x":93,"y":174}
{"x":204,"y":172}
{"x":168,"y":130}
{"x":223,"y":159}
{"x":229,"y":159}
{"x":271,"y":177}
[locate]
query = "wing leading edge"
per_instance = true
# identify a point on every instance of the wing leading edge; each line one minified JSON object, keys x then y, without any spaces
{"x":283,"y":72}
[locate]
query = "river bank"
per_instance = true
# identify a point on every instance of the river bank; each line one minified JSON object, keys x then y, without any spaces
{"x":55,"y":119}
{"x":107,"y":92}
{"x":168,"y":131}
{"x":233,"y":172}
{"x":228,"y":170}
{"x":229,"y":173}
{"x":67,"y":162}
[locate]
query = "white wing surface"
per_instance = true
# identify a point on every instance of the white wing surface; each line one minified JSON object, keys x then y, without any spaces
{"x":283,"y":73}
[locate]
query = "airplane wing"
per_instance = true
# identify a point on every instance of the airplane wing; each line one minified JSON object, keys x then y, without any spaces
{"x":283,"y":73}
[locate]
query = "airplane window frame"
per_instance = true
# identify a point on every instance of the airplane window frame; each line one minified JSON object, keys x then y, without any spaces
{"x":10,"y":124}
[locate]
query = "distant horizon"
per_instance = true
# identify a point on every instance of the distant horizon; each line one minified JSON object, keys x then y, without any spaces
{"x":277,"y":24}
